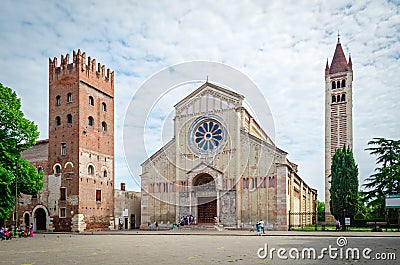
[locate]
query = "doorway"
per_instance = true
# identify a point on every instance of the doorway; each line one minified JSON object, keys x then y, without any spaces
{"x":40,"y":218}
{"x":133,"y":221}
{"x":26,"y":219}
{"x":207,"y":210}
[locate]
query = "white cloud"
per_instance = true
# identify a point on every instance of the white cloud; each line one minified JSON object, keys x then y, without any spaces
{"x":281,"y":45}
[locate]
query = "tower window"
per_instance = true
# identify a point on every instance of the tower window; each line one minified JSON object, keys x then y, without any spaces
{"x":58,"y":100}
{"x":343,"y":98}
{"x":63,"y":212}
{"x":69,"y":118}
{"x":98,"y":195}
{"x":90,"y":170}
{"x":333,"y":99}
{"x":63,"y":194}
{"x":343,"y":83}
{"x":90,"y":121}
{"x":63,"y":149}
{"x":58,"y":120}
{"x":69,"y":97}
{"x":338,"y":98}
{"x":338,"y":84}
{"x":105,"y":173}
{"x":333,"y":85}
{"x":57,"y":169}
{"x":91,"y":101}
{"x":104,"y":126}
{"x":104,"y":106}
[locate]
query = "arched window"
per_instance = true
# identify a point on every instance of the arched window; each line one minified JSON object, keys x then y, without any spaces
{"x":333,"y":99}
{"x":105,"y":173}
{"x":338,"y":98}
{"x":90,"y":121}
{"x":57,"y":169}
{"x":104,"y":126}
{"x":343,"y":83}
{"x":338,"y":84}
{"x":69,"y":118}
{"x":91,"y":101}
{"x":69,"y":97}
{"x":343,"y":98}
{"x":333,"y":85}
{"x":104,"y":106}
{"x":90,"y":170}
{"x":58,"y":100}
{"x":58,"y":120}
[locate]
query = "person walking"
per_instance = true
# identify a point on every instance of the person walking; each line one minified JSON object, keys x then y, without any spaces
{"x":262,"y":226}
{"x":31,"y":230}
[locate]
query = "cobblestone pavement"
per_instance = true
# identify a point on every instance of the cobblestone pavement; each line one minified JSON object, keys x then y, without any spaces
{"x":171,"y":247}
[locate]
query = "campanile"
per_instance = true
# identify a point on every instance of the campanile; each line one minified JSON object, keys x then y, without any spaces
{"x":338,"y":112}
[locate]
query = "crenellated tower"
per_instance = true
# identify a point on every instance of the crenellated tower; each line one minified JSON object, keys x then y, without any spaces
{"x":81,"y":141}
{"x":338,"y":112}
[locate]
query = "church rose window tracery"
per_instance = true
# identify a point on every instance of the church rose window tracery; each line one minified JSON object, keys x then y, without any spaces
{"x":207,"y":135}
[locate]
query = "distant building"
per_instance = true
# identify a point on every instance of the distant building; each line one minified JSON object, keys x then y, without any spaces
{"x":78,"y":157}
{"x":221,"y":166}
{"x":338,"y":113}
{"x":126,"y":208}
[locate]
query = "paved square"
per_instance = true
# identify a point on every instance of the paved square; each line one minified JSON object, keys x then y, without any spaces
{"x":169,"y":248}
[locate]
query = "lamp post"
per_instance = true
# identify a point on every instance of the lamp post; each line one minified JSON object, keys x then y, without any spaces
{"x":16,"y":199}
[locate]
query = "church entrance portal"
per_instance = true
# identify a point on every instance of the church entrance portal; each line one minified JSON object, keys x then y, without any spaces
{"x":207,"y":211}
{"x":40,"y":217}
{"x":204,"y":187}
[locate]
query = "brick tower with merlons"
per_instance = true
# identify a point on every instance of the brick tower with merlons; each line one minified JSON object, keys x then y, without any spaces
{"x":338,"y":113}
{"x":81,"y":141}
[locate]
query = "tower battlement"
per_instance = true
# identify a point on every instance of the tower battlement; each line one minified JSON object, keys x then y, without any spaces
{"x":79,"y":65}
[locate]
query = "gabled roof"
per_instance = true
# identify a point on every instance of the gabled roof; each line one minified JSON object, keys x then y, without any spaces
{"x":339,"y":62}
{"x":203,"y":165}
{"x":205,"y":85}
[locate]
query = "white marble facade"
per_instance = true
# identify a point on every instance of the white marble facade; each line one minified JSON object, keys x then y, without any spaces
{"x":221,"y":166}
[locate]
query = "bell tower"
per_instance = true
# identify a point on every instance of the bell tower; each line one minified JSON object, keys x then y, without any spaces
{"x":338,"y":112}
{"x":81,"y":142}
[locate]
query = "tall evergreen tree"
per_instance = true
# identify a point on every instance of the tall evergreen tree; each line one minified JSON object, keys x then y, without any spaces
{"x":386,"y":180}
{"x":344,"y":185}
{"x":16,"y":135}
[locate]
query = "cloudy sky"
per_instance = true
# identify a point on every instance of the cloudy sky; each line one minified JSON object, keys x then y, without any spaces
{"x":281,"y":45}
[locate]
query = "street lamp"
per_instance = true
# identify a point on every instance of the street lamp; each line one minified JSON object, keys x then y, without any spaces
{"x":16,"y":199}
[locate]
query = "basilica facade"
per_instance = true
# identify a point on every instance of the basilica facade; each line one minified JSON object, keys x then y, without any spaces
{"x":221,"y":167}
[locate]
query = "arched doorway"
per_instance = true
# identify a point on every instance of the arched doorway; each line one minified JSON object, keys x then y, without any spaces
{"x":26,"y":219}
{"x":204,"y":185}
{"x":40,"y":218}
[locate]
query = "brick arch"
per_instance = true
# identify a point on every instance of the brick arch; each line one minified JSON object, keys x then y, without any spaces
{"x":54,"y":167}
{"x":46,"y":221}
{"x":104,"y":168}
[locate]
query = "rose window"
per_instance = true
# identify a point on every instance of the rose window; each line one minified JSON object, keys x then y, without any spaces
{"x":208,"y":135}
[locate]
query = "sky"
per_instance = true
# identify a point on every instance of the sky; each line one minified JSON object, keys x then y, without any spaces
{"x":282,"y":46}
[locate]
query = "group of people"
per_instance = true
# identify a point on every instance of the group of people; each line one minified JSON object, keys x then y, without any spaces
{"x":187,"y":220}
{"x":6,"y":234}
{"x":150,"y":226}
{"x":260,"y":228}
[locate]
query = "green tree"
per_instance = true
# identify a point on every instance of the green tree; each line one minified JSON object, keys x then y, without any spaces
{"x":16,"y":135}
{"x":321,"y":211}
{"x":344,"y":199}
{"x":386,"y":180}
